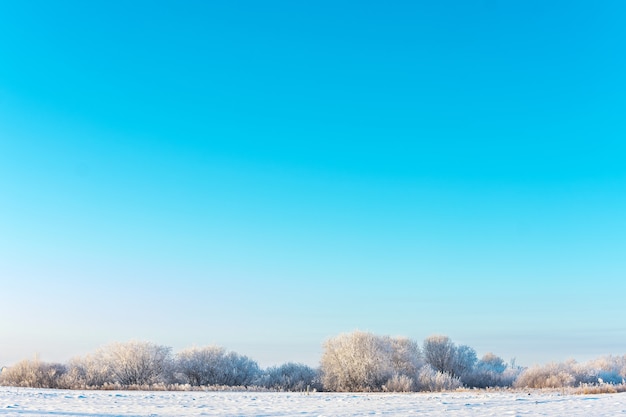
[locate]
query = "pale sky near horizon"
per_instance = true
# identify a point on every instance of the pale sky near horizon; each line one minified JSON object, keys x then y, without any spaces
{"x":266,"y":175}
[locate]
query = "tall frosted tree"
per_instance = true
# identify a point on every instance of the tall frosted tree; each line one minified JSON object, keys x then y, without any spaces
{"x":361,"y":361}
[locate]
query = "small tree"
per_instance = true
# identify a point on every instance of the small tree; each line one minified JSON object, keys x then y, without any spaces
{"x":430,"y":379}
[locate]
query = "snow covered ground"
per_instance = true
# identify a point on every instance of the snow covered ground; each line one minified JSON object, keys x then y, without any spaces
{"x":58,"y":403}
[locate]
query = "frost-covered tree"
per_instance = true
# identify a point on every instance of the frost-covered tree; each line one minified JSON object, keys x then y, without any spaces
{"x":406,"y":357}
{"x":439,"y":352}
{"x":464,"y":361}
{"x":240,"y":370}
{"x":361,"y":361}
{"x":212,"y":365}
{"x":202,"y":366}
{"x":491,"y":371}
{"x":90,"y":371}
{"x":357,"y":361}
{"x":291,"y":377}
{"x":444,"y":356}
{"x":492,"y":363}
{"x":137,"y":363}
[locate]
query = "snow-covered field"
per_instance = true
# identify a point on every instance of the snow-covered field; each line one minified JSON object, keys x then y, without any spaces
{"x":59,"y":403}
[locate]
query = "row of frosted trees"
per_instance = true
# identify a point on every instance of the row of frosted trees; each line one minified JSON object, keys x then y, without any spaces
{"x":362,"y":361}
{"x":356,"y":361}
{"x":144,"y":365}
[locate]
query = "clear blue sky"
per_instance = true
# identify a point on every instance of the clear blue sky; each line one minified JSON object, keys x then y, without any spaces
{"x":265,"y":175}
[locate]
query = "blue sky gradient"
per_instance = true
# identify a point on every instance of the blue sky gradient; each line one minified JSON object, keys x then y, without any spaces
{"x":265,"y":175}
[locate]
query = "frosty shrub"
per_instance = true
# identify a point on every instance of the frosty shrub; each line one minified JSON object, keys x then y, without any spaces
{"x":33,"y":374}
{"x":582,"y":373}
{"x":212,"y":365}
{"x":432,"y":380}
{"x":604,"y":371}
{"x":399,"y":383}
{"x":136,"y":363}
{"x":291,"y":377}
{"x":361,"y":361}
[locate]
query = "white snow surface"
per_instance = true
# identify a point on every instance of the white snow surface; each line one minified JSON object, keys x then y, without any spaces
{"x":59,"y":403}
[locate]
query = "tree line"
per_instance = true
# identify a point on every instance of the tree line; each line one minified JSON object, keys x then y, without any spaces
{"x":350,"y":362}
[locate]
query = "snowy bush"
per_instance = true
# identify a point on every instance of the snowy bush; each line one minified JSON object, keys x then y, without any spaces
{"x":361,"y":361}
{"x":552,"y":375}
{"x":291,"y":377}
{"x":609,"y":369}
{"x":33,"y":374}
{"x":606,"y":370}
{"x":399,"y":383}
{"x":583,"y":373}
